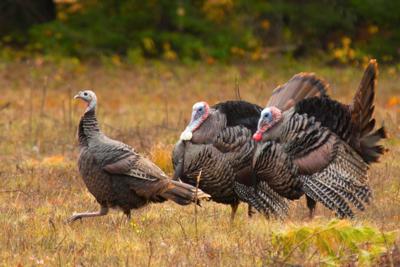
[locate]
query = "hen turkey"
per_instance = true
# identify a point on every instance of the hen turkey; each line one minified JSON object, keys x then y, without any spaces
{"x":119,"y":177}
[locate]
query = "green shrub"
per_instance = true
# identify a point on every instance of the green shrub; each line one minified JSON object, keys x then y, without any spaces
{"x":218,"y":29}
{"x":337,"y":242}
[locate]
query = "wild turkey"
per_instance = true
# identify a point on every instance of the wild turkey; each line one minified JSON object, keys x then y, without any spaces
{"x":321,"y":148}
{"x":218,"y":143}
{"x":116,"y":175}
{"x":200,"y":148}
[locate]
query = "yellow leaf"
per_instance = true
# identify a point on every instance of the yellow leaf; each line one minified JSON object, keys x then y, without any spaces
{"x":373,"y":29}
{"x":56,"y":160}
{"x":393,"y":101}
{"x":265,"y":24}
{"x":392,"y":71}
{"x":149,"y":44}
{"x":210,"y":60}
{"x":116,"y":60}
{"x":346,"y":41}
{"x":180,"y":11}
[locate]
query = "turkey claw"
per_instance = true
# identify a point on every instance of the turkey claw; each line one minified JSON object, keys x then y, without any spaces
{"x":74,"y":217}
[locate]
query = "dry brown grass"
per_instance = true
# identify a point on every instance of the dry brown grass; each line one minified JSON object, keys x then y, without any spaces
{"x":147,"y":106}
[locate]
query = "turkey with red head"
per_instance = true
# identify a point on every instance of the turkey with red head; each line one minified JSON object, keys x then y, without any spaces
{"x":321,"y":148}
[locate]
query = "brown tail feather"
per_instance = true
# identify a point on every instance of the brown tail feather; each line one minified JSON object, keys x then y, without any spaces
{"x":183,"y":194}
{"x":300,"y":86}
{"x":363,"y":102}
{"x":362,"y":110}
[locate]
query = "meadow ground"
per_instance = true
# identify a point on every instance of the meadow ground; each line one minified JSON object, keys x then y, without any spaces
{"x":147,"y":106}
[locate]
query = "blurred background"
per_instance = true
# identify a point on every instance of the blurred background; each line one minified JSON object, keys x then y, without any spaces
{"x":337,"y":31}
{"x":149,"y":62}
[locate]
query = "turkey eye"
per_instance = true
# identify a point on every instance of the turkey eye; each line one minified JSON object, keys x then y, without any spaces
{"x":200,"y":109}
{"x":85,"y":94}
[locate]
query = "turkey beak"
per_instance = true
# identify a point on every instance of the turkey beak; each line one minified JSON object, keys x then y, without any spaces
{"x":77,"y":96}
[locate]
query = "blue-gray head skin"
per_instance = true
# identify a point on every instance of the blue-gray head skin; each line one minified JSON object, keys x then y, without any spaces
{"x":89,"y":97}
{"x":201,"y":111}
{"x":269,"y":118}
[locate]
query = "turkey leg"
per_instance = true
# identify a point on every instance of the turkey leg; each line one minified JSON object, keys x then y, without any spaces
{"x":234,"y":209}
{"x":103,"y":211}
{"x":311,"y":204}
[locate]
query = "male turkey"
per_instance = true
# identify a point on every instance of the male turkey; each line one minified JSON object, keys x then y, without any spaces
{"x":116,"y":175}
{"x":218,"y":143}
{"x":321,"y":148}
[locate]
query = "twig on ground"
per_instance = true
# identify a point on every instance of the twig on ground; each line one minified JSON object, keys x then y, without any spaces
{"x":237,"y":89}
{"x":183,"y":230}
{"x":14,"y":191}
{"x":150,"y":253}
{"x":5,"y":106}
{"x":195,"y":205}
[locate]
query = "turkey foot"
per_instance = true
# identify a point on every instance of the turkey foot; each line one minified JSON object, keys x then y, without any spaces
{"x":103,"y":211}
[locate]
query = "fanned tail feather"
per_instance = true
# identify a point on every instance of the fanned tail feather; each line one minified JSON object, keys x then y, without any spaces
{"x":363,"y":101}
{"x":362,"y":110}
{"x":300,"y":86}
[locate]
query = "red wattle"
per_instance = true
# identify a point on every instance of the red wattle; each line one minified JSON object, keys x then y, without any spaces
{"x":257,"y":136}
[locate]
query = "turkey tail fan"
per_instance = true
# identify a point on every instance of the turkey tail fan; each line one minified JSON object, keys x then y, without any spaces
{"x":300,"y":86}
{"x":362,"y":107}
{"x":362,"y":110}
{"x":183,"y":194}
{"x":263,"y":198}
{"x":341,"y":184}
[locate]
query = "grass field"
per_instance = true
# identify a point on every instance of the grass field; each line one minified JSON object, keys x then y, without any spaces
{"x":147,"y":106}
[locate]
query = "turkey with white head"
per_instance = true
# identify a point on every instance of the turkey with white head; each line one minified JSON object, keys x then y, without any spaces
{"x":217,"y":142}
{"x":119,"y":177}
{"x":321,"y":148}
